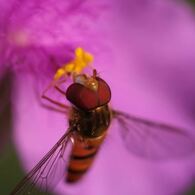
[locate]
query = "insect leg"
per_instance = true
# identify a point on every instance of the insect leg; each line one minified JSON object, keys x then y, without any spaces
{"x":61,"y":108}
{"x":59,"y":104}
{"x":57,"y":86}
{"x":60,"y":90}
{"x":55,"y":102}
{"x":53,"y":108}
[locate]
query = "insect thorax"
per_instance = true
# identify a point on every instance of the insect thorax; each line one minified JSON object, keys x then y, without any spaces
{"x":90,"y":124}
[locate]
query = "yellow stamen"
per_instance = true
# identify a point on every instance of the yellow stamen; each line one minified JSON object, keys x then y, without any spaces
{"x":76,"y":66}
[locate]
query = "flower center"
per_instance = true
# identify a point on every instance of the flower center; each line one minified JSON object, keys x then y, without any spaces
{"x":82,"y":59}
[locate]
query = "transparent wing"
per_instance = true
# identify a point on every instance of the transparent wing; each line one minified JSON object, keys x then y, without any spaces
{"x":153,"y":140}
{"x":48,"y":172}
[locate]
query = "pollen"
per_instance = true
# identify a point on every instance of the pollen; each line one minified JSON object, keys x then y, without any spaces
{"x":82,"y":59}
{"x":59,"y":73}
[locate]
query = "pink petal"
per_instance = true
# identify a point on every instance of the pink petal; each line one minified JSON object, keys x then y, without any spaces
{"x":129,"y":39}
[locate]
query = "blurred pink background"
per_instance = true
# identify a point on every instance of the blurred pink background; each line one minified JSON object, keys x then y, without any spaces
{"x":143,"y":49}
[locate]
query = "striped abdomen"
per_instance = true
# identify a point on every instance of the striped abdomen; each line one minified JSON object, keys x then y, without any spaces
{"x":91,"y":130}
{"x":82,"y":156}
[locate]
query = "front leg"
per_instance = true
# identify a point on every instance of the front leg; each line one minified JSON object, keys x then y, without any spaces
{"x":57,"y":103}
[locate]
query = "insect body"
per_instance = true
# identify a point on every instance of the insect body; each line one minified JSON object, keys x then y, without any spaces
{"x":92,"y":131}
{"x":89,"y":118}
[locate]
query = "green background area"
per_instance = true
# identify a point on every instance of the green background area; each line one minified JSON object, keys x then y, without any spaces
{"x":192,"y":2}
{"x":11,"y":171}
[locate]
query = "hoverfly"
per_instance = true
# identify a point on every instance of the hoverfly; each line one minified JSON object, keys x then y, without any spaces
{"x":89,"y":119}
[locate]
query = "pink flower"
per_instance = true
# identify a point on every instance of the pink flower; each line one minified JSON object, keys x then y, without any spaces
{"x":134,"y":43}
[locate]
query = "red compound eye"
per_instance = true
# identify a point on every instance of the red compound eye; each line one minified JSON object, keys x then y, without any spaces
{"x":87,"y":99}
